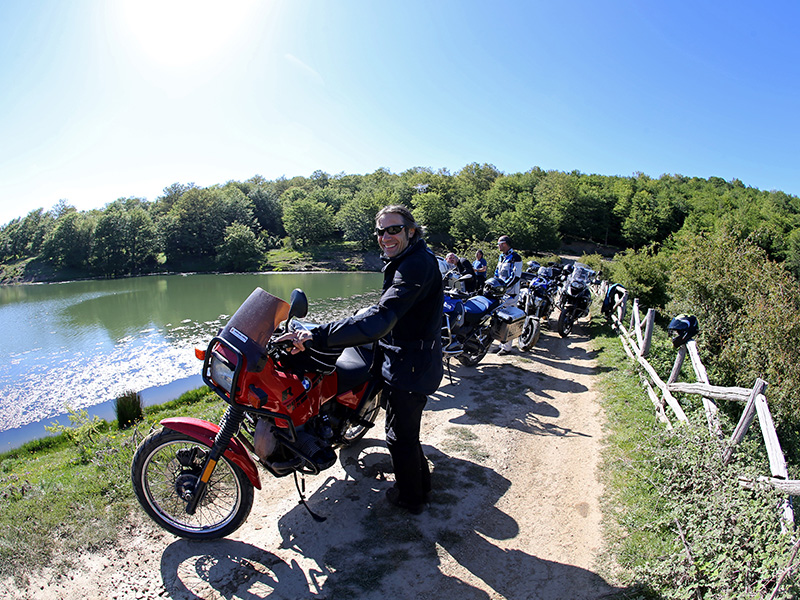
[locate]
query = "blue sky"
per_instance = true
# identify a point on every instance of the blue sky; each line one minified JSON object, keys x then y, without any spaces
{"x":105,"y":100}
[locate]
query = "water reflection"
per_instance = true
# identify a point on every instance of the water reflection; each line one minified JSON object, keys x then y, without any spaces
{"x":83,"y":343}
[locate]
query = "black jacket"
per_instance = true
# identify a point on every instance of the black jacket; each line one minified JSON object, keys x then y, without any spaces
{"x":407,"y":322}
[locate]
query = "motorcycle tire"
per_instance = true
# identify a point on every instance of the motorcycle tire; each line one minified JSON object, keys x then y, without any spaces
{"x":168,"y":461}
{"x":355,"y":431}
{"x":530,"y":334}
{"x":565,"y":323}
{"x":470,"y":359}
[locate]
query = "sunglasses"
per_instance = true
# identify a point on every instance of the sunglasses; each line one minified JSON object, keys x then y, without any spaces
{"x":391,"y":230}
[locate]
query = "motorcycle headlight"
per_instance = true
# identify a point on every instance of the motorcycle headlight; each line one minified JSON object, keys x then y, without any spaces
{"x":222,"y":374}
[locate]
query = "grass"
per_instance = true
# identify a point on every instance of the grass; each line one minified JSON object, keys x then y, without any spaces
{"x":71,"y":492}
{"x":677,"y":523}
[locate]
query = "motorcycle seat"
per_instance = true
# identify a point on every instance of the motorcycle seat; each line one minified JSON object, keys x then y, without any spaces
{"x":352,"y":368}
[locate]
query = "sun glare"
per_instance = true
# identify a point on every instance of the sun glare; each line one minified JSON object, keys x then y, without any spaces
{"x":179,"y":33}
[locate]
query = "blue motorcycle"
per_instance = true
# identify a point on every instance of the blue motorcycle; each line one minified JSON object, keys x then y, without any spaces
{"x":471,"y":323}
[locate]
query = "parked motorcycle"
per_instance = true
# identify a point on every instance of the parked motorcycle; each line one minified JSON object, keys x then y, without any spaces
{"x":575,"y":298}
{"x":536,"y":300}
{"x":471,"y":323}
{"x":286,"y":412}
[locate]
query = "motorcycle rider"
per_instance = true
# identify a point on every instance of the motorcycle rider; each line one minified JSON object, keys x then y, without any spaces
{"x":406,"y":323}
{"x":464,"y":267}
{"x":509,"y":271}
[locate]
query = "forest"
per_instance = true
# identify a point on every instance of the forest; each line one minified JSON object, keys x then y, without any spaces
{"x":728,"y":253}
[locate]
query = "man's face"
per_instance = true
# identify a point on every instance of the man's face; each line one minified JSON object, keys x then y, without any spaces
{"x":502,"y":246}
{"x":393,"y":244}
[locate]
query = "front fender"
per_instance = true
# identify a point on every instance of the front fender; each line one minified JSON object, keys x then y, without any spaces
{"x":205,"y":432}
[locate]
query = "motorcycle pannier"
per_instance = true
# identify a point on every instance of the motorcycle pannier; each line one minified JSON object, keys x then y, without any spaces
{"x":507,"y":323}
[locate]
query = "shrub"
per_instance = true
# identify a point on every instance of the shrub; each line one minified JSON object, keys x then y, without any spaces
{"x":128,"y":408}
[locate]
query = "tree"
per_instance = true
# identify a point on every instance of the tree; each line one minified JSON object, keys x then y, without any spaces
{"x":267,"y":209}
{"x":530,"y":226}
{"x":748,"y":308}
{"x":69,"y":243}
{"x":356,"y":218}
{"x":307,"y":221}
{"x":240,"y":250}
{"x":194,"y":225}
{"x":432,"y":212}
{"x":470,"y":221}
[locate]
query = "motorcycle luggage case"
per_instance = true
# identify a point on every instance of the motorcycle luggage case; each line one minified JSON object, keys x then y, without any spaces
{"x":507,"y":323}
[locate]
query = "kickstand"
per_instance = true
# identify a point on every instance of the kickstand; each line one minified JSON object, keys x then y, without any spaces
{"x":315,"y":516}
{"x":450,"y":372}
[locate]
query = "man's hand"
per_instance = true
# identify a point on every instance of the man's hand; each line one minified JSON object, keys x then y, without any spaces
{"x":299,"y":339}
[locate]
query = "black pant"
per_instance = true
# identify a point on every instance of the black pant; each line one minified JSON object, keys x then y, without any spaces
{"x":403,"y":416}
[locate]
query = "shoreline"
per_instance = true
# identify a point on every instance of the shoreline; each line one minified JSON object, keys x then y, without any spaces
{"x":18,"y":436}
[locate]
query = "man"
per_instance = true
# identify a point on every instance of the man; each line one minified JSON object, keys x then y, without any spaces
{"x":509,"y":271}
{"x":406,"y":322}
{"x":479,"y":266}
{"x":464,"y":267}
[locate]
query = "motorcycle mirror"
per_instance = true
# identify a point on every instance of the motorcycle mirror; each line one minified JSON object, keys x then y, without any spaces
{"x":298,"y":304}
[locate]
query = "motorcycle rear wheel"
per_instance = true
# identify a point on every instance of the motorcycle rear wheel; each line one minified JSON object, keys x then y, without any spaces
{"x":565,"y":323}
{"x":470,"y":358}
{"x":356,"y":431}
{"x":168,"y":462}
{"x":530,"y":334}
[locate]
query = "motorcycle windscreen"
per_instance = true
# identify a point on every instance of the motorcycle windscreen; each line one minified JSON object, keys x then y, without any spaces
{"x":252,"y":325}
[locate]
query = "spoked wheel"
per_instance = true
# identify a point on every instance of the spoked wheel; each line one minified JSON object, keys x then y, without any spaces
{"x":165,"y":469}
{"x":565,"y":323}
{"x":530,"y":334}
{"x":357,"y":430}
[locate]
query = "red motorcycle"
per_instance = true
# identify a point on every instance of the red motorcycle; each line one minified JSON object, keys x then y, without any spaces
{"x":286,"y":412}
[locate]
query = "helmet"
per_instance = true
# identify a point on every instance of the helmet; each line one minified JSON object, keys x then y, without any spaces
{"x":682,"y":328}
{"x":494,"y":287}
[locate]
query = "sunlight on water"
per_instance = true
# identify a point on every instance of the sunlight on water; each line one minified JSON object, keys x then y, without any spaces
{"x":85,"y":343}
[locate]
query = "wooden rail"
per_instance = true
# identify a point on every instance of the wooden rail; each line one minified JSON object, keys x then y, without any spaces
{"x":637,"y":347}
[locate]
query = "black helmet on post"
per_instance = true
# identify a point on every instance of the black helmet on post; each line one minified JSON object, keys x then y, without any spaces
{"x":682,"y":328}
{"x":494,"y":287}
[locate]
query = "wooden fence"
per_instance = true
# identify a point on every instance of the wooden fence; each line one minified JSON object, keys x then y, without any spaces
{"x":636,"y":342}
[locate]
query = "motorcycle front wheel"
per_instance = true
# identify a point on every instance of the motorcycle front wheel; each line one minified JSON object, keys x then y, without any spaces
{"x":530,"y":334}
{"x":167,"y":465}
{"x":565,"y":322}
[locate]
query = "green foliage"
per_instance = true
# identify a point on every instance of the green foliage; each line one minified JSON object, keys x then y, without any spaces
{"x":128,"y":408}
{"x":644,"y":273}
{"x":82,"y":431}
{"x":307,"y":221}
{"x":748,"y":308}
{"x":240,"y":250}
{"x":356,"y":218}
{"x":54,"y":506}
{"x":69,"y":243}
{"x":681,"y":525}
{"x":431,"y":211}
{"x":194,"y":225}
{"x":530,"y":226}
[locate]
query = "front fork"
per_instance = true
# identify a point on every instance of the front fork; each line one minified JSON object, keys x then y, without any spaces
{"x":220,"y":441}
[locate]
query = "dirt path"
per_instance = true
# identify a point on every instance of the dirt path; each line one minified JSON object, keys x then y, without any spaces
{"x":514,"y":445}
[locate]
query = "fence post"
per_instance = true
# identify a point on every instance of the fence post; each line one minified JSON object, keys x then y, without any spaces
{"x":748,"y":414}
{"x":648,"y":331}
{"x":677,"y":365}
{"x":702,"y":376}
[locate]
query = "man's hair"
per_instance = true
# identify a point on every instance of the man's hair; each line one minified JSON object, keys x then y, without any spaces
{"x":408,"y":218}
{"x":504,"y":238}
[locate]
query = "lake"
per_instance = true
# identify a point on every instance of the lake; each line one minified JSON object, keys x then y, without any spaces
{"x":82,"y":344}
